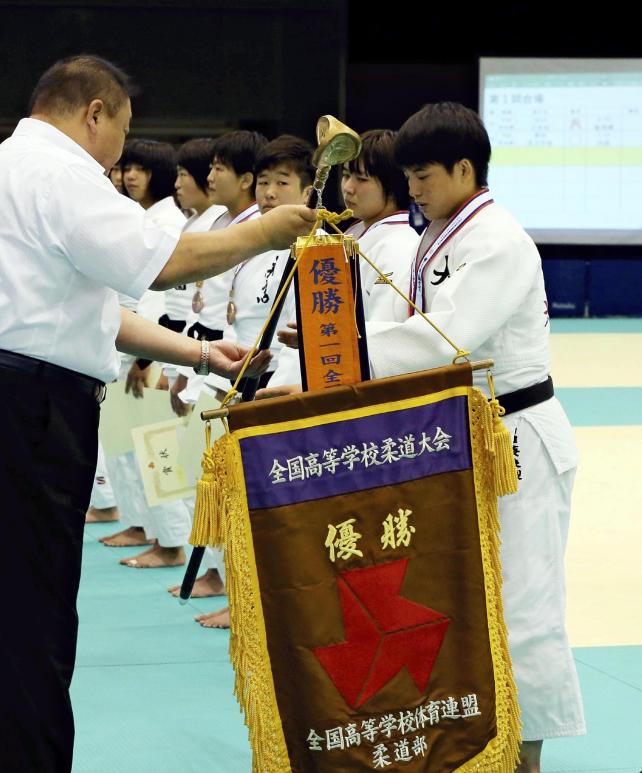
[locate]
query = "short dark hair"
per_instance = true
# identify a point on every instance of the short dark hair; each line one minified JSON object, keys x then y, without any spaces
{"x":73,"y":82}
{"x":238,"y":150}
{"x":377,"y":159}
{"x":196,"y":157}
{"x":444,"y":133}
{"x":290,"y":150}
{"x":159,"y":158}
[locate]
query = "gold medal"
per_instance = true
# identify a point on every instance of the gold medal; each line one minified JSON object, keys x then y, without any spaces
{"x":231,"y":311}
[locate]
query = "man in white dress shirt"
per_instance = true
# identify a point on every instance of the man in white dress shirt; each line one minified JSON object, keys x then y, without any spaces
{"x":478,"y":276}
{"x":68,"y":242}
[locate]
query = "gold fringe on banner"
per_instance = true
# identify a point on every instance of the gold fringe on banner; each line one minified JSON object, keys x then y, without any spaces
{"x":221,"y":517}
{"x":502,"y":753}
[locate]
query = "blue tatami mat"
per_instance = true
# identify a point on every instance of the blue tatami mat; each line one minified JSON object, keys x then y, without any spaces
{"x":613,"y":406}
{"x":153,"y":691}
{"x":606,"y":406}
{"x":613,"y":717}
{"x":623,"y":663}
{"x":608,"y":325}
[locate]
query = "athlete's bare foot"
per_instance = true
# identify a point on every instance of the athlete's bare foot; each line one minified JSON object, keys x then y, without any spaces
{"x":530,"y":753}
{"x":220,"y":619}
{"x":127,"y":538}
{"x":156,"y":558}
{"x":102,"y":515}
{"x":152,"y":549}
{"x":208,"y":584}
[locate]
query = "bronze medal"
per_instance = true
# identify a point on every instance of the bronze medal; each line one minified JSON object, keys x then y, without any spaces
{"x":231,"y":312}
{"x":198,"y":302}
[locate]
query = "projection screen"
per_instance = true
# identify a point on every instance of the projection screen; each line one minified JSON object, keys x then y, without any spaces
{"x":567,"y":146}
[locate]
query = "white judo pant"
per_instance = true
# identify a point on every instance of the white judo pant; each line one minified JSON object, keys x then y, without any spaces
{"x":534,"y":532}
{"x":169,"y":523}
{"x":102,"y":495}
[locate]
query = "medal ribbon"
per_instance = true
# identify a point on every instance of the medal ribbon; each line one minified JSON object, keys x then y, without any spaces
{"x":464,"y":214}
{"x":397,"y":218}
{"x":198,"y":301}
{"x":231,"y":307}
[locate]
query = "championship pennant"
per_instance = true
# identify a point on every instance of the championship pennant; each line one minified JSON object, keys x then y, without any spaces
{"x":332,"y":342}
{"x":361,"y":539}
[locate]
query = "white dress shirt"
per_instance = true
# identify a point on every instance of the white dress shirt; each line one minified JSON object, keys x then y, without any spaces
{"x":68,"y":241}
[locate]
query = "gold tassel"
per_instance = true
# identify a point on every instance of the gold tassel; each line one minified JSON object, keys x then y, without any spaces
{"x":504,"y":461}
{"x":210,"y":507}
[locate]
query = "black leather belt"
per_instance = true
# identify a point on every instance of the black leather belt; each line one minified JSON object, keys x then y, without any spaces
{"x":527,"y":397}
{"x":51,"y":373}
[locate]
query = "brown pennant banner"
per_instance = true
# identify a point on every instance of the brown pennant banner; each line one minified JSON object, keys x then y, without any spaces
{"x":361,"y":538}
{"x":329,"y":310}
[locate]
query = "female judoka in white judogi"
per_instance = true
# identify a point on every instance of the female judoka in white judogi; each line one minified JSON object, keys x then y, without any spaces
{"x":478,"y":276}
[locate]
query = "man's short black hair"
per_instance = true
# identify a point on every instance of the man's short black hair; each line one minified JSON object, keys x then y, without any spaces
{"x":159,"y":158}
{"x":444,"y":133}
{"x":377,"y":159}
{"x":290,"y":150}
{"x":196,"y":157}
{"x":72,"y":83}
{"x":238,"y":150}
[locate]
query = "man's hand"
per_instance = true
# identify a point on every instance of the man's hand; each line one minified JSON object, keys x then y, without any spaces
{"x":289,"y":337}
{"x":162,"y":383}
{"x":137,"y":379}
{"x":178,"y":406}
{"x":283,"y":224}
{"x":227,"y":358}
{"x":280,"y":391}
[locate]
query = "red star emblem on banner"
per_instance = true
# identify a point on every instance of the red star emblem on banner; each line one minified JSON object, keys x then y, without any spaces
{"x":384,"y":633}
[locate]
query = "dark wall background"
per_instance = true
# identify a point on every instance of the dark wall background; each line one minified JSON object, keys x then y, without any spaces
{"x":203,"y":67}
{"x":277,"y":65}
{"x":404,"y":55}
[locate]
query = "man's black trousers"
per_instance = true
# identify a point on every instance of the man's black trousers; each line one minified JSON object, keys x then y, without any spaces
{"x":48,"y":443}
